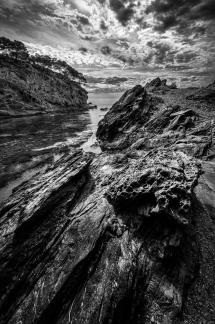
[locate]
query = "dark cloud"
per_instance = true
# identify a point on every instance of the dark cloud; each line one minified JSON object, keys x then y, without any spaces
{"x":181,"y":14}
{"x":205,"y":9}
{"x":148,"y":58}
{"x":103,"y":25}
{"x":89,"y":38}
{"x":185,"y":57}
{"x":126,"y":59}
{"x":124,"y":10}
{"x":164,"y":54}
{"x":161,"y":52}
{"x":83,"y":50}
{"x":101,"y":1}
{"x":30,"y":10}
{"x":106,"y":50}
{"x":24,"y":17}
{"x":142,"y":24}
{"x":177,"y":68}
{"x":83,"y":20}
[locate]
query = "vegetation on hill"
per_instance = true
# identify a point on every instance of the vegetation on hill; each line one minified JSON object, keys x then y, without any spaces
{"x":17,"y":50}
{"x":32,"y":84}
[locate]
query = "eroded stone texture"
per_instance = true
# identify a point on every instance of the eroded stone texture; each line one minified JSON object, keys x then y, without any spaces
{"x":158,"y":186}
{"x":126,"y":236}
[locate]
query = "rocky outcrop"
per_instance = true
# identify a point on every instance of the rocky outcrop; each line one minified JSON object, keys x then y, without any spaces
{"x":155,"y":83}
{"x":158,"y":85}
{"x":29,"y":89}
{"x":211,"y":85}
{"x":131,"y":112}
{"x":204,"y":95}
{"x":126,"y":236}
{"x":146,"y":123}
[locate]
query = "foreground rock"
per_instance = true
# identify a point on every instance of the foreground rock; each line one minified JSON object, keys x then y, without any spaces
{"x":126,"y":236}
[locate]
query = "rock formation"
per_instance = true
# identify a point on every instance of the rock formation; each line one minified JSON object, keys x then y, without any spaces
{"x":158,"y":85}
{"x":28,"y":88}
{"x":126,"y":236}
{"x":204,"y":95}
{"x":211,"y":85}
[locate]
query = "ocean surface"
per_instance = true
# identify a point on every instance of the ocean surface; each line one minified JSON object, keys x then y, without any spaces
{"x":29,"y":144}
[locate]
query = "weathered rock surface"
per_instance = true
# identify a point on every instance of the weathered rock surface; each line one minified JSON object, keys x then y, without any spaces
{"x":131,"y":112}
{"x":126,"y":236}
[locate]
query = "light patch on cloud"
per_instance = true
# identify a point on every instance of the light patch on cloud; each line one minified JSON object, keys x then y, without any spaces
{"x":143,"y":38}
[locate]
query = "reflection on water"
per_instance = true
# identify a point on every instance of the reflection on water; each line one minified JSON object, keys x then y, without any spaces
{"x":29,"y":144}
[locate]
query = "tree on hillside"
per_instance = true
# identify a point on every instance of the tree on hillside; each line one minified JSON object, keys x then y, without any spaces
{"x":61,"y":66}
{"x":18,"y":51}
{"x":15,"y":49}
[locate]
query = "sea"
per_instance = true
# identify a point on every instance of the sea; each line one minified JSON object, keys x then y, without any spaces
{"x":28,"y":145}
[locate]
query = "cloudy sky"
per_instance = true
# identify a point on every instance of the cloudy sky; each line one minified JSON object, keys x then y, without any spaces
{"x":134,"y":40}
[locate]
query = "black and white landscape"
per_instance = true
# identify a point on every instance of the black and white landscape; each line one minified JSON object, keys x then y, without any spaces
{"x":107,"y":162}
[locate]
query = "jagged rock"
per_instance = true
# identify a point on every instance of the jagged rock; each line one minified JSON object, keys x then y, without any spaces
{"x":126,"y":236}
{"x":172,"y":118}
{"x":145,"y":123}
{"x":155,"y":83}
{"x":133,"y":109}
{"x":159,"y":85}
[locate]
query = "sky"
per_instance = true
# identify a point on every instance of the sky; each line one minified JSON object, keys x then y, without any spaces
{"x":119,"y":43}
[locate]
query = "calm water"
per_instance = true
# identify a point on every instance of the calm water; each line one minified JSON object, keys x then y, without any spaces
{"x":28,"y":145}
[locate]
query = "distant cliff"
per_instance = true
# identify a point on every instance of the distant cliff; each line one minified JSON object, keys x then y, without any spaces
{"x":36,"y":84}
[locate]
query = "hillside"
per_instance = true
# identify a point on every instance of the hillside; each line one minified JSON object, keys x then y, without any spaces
{"x":36,"y":85}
